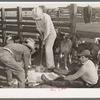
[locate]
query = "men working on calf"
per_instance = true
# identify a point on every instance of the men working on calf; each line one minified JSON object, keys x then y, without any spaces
{"x":16,"y":58}
{"x":86,"y":76}
{"x":46,"y":28}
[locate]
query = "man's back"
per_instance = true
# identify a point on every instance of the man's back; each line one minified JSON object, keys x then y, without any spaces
{"x":90,"y":75}
{"x":18,"y":50}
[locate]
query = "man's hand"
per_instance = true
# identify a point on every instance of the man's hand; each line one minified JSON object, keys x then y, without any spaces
{"x":65,"y":78}
{"x":43,"y":42}
{"x":62,"y":76}
{"x":41,"y":36}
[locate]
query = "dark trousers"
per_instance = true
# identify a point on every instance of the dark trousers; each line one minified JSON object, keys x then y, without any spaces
{"x":61,"y":83}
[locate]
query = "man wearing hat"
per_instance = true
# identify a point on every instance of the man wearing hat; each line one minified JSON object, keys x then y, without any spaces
{"x":12,"y":56}
{"x":86,"y":76}
{"x":46,"y":28}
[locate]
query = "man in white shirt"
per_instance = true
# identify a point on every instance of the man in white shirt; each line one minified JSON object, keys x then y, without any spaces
{"x":86,"y":76}
{"x":46,"y":28}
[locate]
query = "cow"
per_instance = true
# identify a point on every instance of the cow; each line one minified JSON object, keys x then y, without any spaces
{"x":65,"y":42}
{"x":94,"y":50}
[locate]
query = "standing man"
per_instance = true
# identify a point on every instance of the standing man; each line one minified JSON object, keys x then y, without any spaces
{"x":86,"y":76}
{"x":16,"y":58}
{"x":46,"y":28}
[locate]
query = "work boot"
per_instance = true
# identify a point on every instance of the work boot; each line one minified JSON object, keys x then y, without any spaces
{"x":54,"y":83}
{"x":13,"y":83}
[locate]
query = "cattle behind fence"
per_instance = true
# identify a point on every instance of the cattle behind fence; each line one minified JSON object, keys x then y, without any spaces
{"x":18,"y":21}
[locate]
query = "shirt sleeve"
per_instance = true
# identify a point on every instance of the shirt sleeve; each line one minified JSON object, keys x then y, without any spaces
{"x":78,"y":74}
{"x":26,"y":57}
{"x":47,"y":24}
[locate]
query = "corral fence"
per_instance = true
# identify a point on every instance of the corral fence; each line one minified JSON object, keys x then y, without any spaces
{"x":19,"y":21}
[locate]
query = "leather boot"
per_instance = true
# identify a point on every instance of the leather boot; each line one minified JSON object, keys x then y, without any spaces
{"x":54,"y":83}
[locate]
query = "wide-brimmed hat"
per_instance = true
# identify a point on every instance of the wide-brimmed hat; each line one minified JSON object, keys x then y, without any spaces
{"x":30,"y":43}
{"x":37,"y":12}
{"x":85,"y":53}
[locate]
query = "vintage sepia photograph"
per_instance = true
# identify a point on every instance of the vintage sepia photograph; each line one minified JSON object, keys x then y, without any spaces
{"x":49,"y":45}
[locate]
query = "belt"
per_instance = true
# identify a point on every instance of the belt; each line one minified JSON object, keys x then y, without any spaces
{"x":4,"y":48}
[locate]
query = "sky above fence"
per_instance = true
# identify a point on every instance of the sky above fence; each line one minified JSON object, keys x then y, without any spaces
{"x":47,"y":4}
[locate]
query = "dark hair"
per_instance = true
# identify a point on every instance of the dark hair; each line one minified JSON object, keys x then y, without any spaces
{"x":88,"y":56}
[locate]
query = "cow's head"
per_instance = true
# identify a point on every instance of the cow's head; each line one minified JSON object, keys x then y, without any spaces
{"x":75,"y":41}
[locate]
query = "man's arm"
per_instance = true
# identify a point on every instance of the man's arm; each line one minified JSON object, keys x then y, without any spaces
{"x":26,"y":58}
{"x":47,"y":24}
{"x":78,"y":74}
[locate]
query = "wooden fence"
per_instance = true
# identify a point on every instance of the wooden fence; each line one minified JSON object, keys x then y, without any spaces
{"x":19,"y":21}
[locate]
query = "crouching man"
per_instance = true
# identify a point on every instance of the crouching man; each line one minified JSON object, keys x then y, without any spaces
{"x":12,"y":56}
{"x":86,"y":76}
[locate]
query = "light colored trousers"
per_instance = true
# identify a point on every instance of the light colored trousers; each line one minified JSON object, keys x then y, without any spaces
{"x":49,"y":50}
{"x":12,"y":67}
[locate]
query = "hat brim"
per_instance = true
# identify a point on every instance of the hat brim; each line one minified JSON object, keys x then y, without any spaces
{"x":35,"y":17}
{"x":32,"y":49}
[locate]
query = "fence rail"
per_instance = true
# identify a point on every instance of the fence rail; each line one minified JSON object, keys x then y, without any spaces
{"x":19,"y":20}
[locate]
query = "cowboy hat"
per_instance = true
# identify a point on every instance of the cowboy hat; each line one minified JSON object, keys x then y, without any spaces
{"x":37,"y":12}
{"x":30,"y":43}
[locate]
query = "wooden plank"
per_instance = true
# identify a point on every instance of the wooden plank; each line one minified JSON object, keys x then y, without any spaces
{"x":3,"y":26}
{"x":53,"y":19}
{"x":73,"y":12}
{"x":28,"y":23}
{"x":88,"y":34}
{"x":27,"y":9}
{"x":22,"y":23}
{"x":29,"y":29}
{"x":62,"y":24}
{"x":27,"y":18}
{"x":60,"y":19}
{"x":10,"y":9}
{"x":65,"y":30}
{"x":24,"y":33}
{"x":10,"y":22}
{"x":19,"y":19}
{"x":24,"y":29}
{"x":11,"y":17}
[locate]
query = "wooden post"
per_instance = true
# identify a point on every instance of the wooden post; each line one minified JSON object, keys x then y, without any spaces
{"x":73,"y":14}
{"x":19,"y":20}
{"x":3,"y":26}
